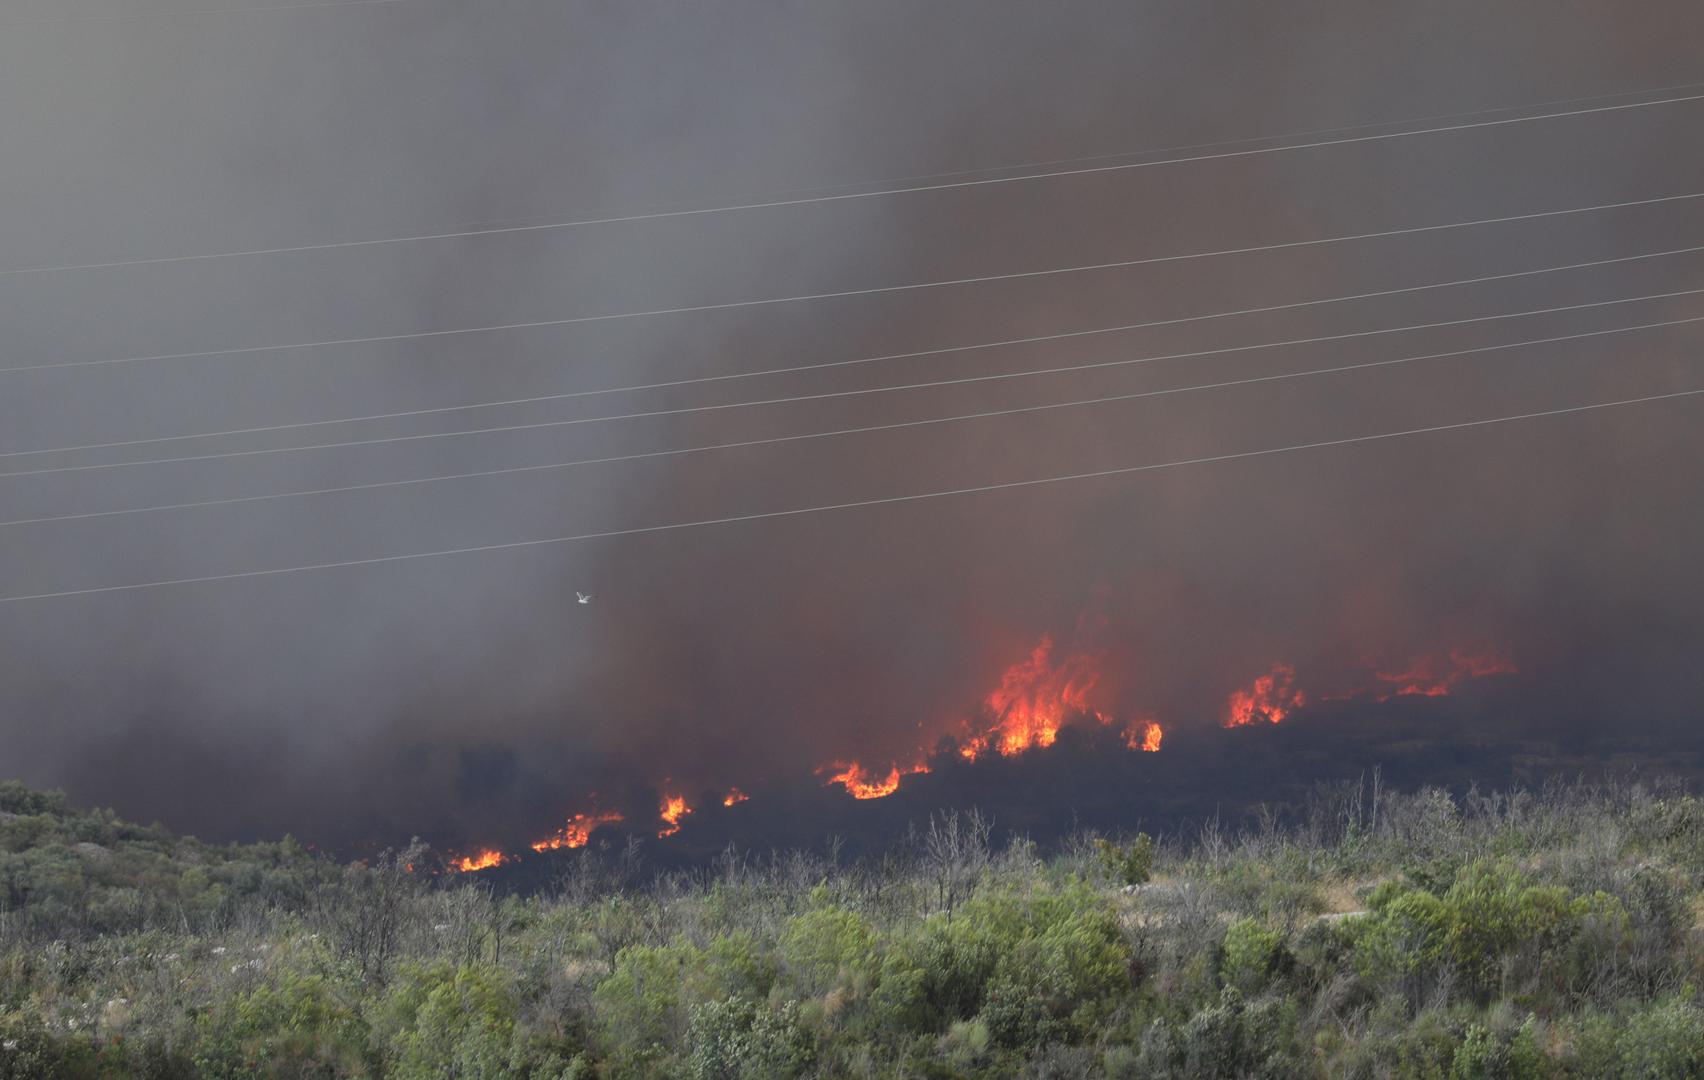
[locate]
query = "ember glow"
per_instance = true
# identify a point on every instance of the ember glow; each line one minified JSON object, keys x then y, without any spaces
{"x":861,"y":783}
{"x":1034,"y":700}
{"x":734,"y":795}
{"x":1433,"y":677}
{"x":577,"y":833}
{"x":483,"y":859}
{"x":1271,"y":698}
{"x":673,"y":808}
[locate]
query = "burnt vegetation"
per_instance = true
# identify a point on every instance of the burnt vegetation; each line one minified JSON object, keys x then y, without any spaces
{"x":1362,"y":931}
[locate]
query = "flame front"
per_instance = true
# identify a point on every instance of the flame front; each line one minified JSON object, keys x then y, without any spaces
{"x":1274,"y":696}
{"x":577,"y":833}
{"x":1271,"y":698}
{"x":484,"y":859}
{"x":1431,"y":677}
{"x":861,"y":783}
{"x":673,"y":808}
{"x":1034,"y":699}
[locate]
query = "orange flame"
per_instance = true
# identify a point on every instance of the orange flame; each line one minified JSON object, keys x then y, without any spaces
{"x":577,"y":833}
{"x":673,"y":808}
{"x":861,"y":783}
{"x":1144,"y":736}
{"x":1034,"y":699}
{"x":1271,"y":697}
{"x":1431,"y":677}
{"x":484,"y":859}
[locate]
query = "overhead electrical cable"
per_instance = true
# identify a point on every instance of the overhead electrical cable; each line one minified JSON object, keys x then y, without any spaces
{"x":846,"y":293}
{"x":832,"y":364}
{"x":861,"y":392}
{"x":1049,"y":174}
{"x":898,"y":425}
{"x":1176,"y":149}
{"x":257,"y":9}
{"x":892,"y":500}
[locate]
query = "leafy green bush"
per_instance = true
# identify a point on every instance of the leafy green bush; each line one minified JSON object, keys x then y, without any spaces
{"x":1664,"y":1041}
{"x":1058,"y":979}
{"x":1484,"y":1055}
{"x":1252,"y":955}
{"x":736,"y":1039}
{"x":1229,"y":1037}
{"x":825,"y":947}
{"x":647,"y":1001}
{"x":1131,"y":864}
{"x":1034,"y":967}
{"x":449,"y":1020}
{"x":1491,"y":919}
{"x":294,"y":1027}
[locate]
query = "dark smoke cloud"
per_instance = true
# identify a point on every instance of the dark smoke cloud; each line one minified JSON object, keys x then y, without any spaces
{"x":471,"y":700}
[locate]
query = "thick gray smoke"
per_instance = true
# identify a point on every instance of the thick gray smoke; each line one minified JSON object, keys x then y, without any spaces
{"x":470,"y":698}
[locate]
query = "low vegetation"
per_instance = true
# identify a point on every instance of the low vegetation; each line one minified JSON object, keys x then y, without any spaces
{"x":1366,"y":933}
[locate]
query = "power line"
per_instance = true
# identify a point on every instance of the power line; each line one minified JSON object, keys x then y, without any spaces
{"x":989,"y":414}
{"x":858,"y":504}
{"x":827,"y":395}
{"x":909,"y":190}
{"x":536,"y":399}
{"x":946,"y":283}
{"x":1176,"y":148}
{"x":183,"y":13}
{"x":859,"y":392}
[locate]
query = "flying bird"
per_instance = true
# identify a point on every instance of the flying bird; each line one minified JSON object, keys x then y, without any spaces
{"x":585,"y":597}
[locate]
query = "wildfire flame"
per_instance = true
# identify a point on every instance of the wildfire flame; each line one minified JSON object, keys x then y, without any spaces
{"x":577,"y":833}
{"x":1432,"y":677}
{"x":1272,"y":698}
{"x":1144,"y":736}
{"x":861,"y":783}
{"x":484,"y":859}
{"x":1033,"y":700}
{"x":673,"y":808}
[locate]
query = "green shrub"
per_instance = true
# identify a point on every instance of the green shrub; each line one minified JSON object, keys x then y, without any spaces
{"x":1132,"y":864}
{"x":646,"y":1003}
{"x":1484,"y":1055}
{"x":1665,"y":1042}
{"x":1055,"y":981}
{"x":296,"y":1027}
{"x":442,"y":1020}
{"x":1034,"y":967}
{"x":826,"y":946}
{"x":1252,"y":955}
{"x":1231,"y":1037}
{"x":736,"y":1039}
{"x":1491,"y":917}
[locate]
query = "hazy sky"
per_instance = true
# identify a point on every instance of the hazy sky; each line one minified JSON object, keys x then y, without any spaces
{"x":470,"y":695}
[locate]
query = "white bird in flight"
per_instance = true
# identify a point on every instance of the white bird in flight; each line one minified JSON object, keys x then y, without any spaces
{"x":585,"y":598}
